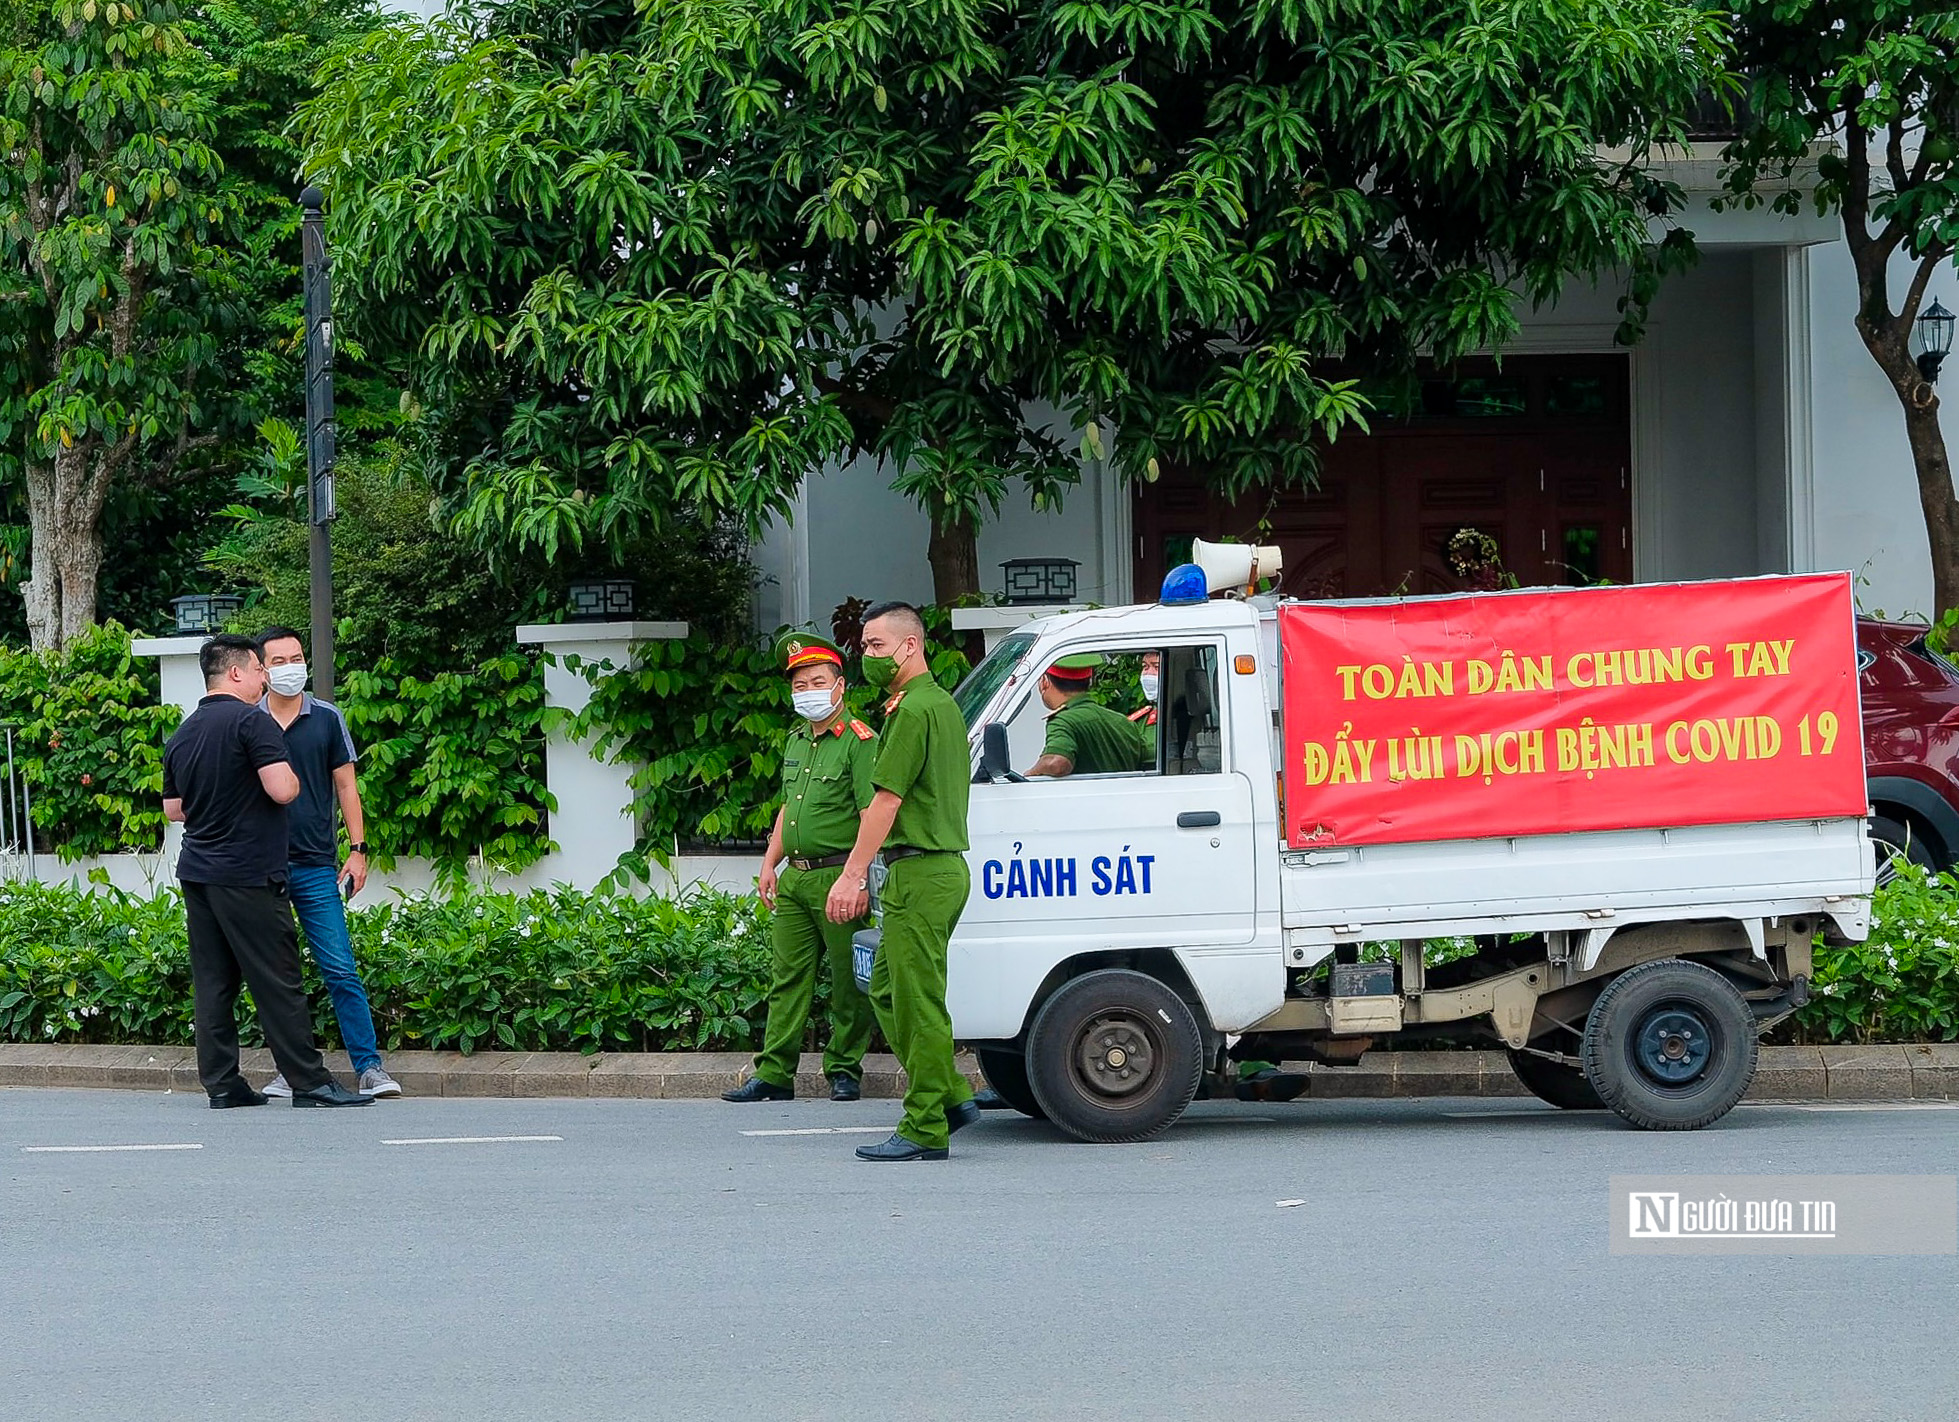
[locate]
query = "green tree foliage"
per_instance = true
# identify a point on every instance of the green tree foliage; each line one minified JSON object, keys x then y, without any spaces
{"x":676,"y":265}
{"x":1866,"y":95}
{"x":149,"y":290}
{"x":113,"y":287}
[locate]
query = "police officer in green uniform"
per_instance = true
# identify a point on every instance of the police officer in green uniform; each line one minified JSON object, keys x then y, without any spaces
{"x":923,"y":778}
{"x":1085,"y":737}
{"x":826,"y":784}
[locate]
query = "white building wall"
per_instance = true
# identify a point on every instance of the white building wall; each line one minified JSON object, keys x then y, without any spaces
{"x":1865,"y":492}
{"x":854,"y":536}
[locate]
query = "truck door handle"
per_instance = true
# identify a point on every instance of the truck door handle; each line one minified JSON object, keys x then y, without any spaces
{"x":1199,"y":819}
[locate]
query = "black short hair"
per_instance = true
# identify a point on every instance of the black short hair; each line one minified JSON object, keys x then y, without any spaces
{"x":223,"y":652}
{"x":907,"y":615}
{"x":276,"y":633}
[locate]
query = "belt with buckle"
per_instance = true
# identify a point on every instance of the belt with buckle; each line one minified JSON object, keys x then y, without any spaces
{"x":827,"y":861}
{"x":907,"y":851}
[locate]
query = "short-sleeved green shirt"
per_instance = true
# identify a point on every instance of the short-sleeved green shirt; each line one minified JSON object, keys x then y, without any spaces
{"x":924,"y":759}
{"x":1099,"y":741}
{"x":826,"y":783}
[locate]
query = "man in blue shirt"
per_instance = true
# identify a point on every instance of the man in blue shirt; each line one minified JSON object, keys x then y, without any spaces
{"x":322,"y":755}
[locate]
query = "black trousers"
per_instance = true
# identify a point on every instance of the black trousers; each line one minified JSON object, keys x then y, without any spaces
{"x":245,"y":935}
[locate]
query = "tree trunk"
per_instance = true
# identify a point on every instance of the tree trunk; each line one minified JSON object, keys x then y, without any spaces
{"x":954,"y":555}
{"x":1935,"y":496}
{"x":64,"y":507}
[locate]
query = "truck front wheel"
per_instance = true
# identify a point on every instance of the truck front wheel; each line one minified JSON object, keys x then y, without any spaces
{"x":1114,"y":1056}
{"x":1006,"y":1073}
{"x":1670,"y":1045}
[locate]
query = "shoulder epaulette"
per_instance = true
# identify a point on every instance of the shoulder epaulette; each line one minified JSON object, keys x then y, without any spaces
{"x":864,"y":732}
{"x":892,"y":704}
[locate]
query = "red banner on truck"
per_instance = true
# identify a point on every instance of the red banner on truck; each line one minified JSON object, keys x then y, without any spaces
{"x":1523,"y":713}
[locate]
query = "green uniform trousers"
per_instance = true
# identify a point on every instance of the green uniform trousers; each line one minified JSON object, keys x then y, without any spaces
{"x":802,"y":938}
{"x":922,"y":899}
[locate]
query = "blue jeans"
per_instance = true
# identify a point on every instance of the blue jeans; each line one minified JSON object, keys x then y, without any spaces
{"x":315,"y":890}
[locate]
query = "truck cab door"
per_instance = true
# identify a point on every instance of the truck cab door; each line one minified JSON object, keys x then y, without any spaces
{"x":1160,"y":857}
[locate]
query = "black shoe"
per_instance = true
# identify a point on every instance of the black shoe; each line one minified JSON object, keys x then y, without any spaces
{"x":756,"y":1089}
{"x":332,"y":1094}
{"x":845,"y":1087}
{"x":957,"y":1118}
{"x":898,"y":1148}
{"x":1271,"y":1085}
{"x":243,"y":1096}
{"x":987,"y":1099}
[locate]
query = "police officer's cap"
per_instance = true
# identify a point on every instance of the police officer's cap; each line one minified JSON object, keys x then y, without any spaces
{"x":1075,"y":671}
{"x":803,"y":649}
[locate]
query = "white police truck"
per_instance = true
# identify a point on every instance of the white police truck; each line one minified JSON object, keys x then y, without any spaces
{"x":1625,"y":925}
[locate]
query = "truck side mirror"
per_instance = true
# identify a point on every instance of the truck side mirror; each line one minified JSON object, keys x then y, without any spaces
{"x":996,"y":762}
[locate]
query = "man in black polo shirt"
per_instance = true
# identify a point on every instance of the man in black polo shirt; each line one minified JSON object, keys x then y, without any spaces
{"x":226,"y":778}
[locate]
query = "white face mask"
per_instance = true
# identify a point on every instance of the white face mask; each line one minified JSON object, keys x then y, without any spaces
{"x":1149,"y":687}
{"x":816,"y":705}
{"x":288,"y":680}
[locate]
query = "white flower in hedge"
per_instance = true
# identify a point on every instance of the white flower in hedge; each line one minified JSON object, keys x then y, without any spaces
{"x":524,"y":932}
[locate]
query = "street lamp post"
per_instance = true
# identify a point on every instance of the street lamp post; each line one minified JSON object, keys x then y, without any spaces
{"x":320,"y":452}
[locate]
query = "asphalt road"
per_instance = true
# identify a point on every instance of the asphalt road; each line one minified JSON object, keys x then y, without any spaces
{"x":1449,"y":1264}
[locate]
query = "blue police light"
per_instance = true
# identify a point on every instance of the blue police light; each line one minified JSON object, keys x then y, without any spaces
{"x":1183,"y":585}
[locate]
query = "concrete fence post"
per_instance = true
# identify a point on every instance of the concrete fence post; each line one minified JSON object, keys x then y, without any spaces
{"x":594,"y":823}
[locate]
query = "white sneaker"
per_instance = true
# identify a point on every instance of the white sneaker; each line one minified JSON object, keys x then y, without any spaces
{"x":277,"y":1086}
{"x":375,"y":1082}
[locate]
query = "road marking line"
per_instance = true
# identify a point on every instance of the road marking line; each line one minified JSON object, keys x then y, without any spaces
{"x":829,"y":1131}
{"x":1860,"y":1105}
{"x":77,"y":1150}
{"x":469,"y":1140}
{"x":1757,"y":1105}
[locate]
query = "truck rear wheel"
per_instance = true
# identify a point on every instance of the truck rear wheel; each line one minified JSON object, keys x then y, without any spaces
{"x":1670,"y":1045}
{"x":1563,"y":1086}
{"x":1006,"y":1073}
{"x":1114,"y":1056}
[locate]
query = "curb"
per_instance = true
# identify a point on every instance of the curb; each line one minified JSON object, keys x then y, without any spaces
{"x":1887,"y":1072}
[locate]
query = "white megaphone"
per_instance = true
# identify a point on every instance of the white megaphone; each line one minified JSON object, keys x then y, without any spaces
{"x":1234,"y":565}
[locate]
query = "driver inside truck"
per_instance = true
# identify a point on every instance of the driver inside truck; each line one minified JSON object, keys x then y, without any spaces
{"x":1085,"y":737}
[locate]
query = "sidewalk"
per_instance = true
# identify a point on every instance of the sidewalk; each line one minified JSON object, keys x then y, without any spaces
{"x":1875,"y":1073}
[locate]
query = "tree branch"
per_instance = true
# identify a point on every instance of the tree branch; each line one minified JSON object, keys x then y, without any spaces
{"x":1920,"y":279}
{"x":1894,"y":156}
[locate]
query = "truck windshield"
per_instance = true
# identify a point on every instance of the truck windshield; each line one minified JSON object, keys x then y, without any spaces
{"x":990,"y":675}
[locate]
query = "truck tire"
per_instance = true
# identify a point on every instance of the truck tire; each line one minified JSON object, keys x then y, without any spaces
{"x":1670,"y":1045}
{"x":1114,"y":1056}
{"x":1895,"y":842}
{"x":1006,"y":1073}
{"x":1563,"y":1086}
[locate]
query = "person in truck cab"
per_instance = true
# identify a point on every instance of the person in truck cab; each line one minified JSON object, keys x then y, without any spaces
{"x":1151,"y":679}
{"x":1085,"y":737}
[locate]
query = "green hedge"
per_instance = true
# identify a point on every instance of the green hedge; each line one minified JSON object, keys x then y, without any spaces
{"x":568,"y":971}
{"x":560,"y":971}
{"x":88,"y":743}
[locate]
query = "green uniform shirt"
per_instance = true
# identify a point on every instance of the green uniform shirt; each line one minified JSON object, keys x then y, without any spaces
{"x":826,"y":783}
{"x":1099,"y":741}
{"x":925,"y":761}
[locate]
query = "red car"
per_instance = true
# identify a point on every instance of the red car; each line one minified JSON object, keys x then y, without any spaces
{"x":1911,"y":743}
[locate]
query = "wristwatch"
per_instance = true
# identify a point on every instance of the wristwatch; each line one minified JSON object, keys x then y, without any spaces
{"x":360,"y":848}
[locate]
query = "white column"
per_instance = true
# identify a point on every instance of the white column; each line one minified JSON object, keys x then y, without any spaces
{"x":183,"y":683}
{"x":183,"y":688}
{"x":594,"y":822}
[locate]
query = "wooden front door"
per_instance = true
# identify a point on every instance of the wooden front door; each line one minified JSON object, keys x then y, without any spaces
{"x":1532,"y":461}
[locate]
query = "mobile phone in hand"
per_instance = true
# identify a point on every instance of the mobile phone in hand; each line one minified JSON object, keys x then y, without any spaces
{"x":347,"y":888}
